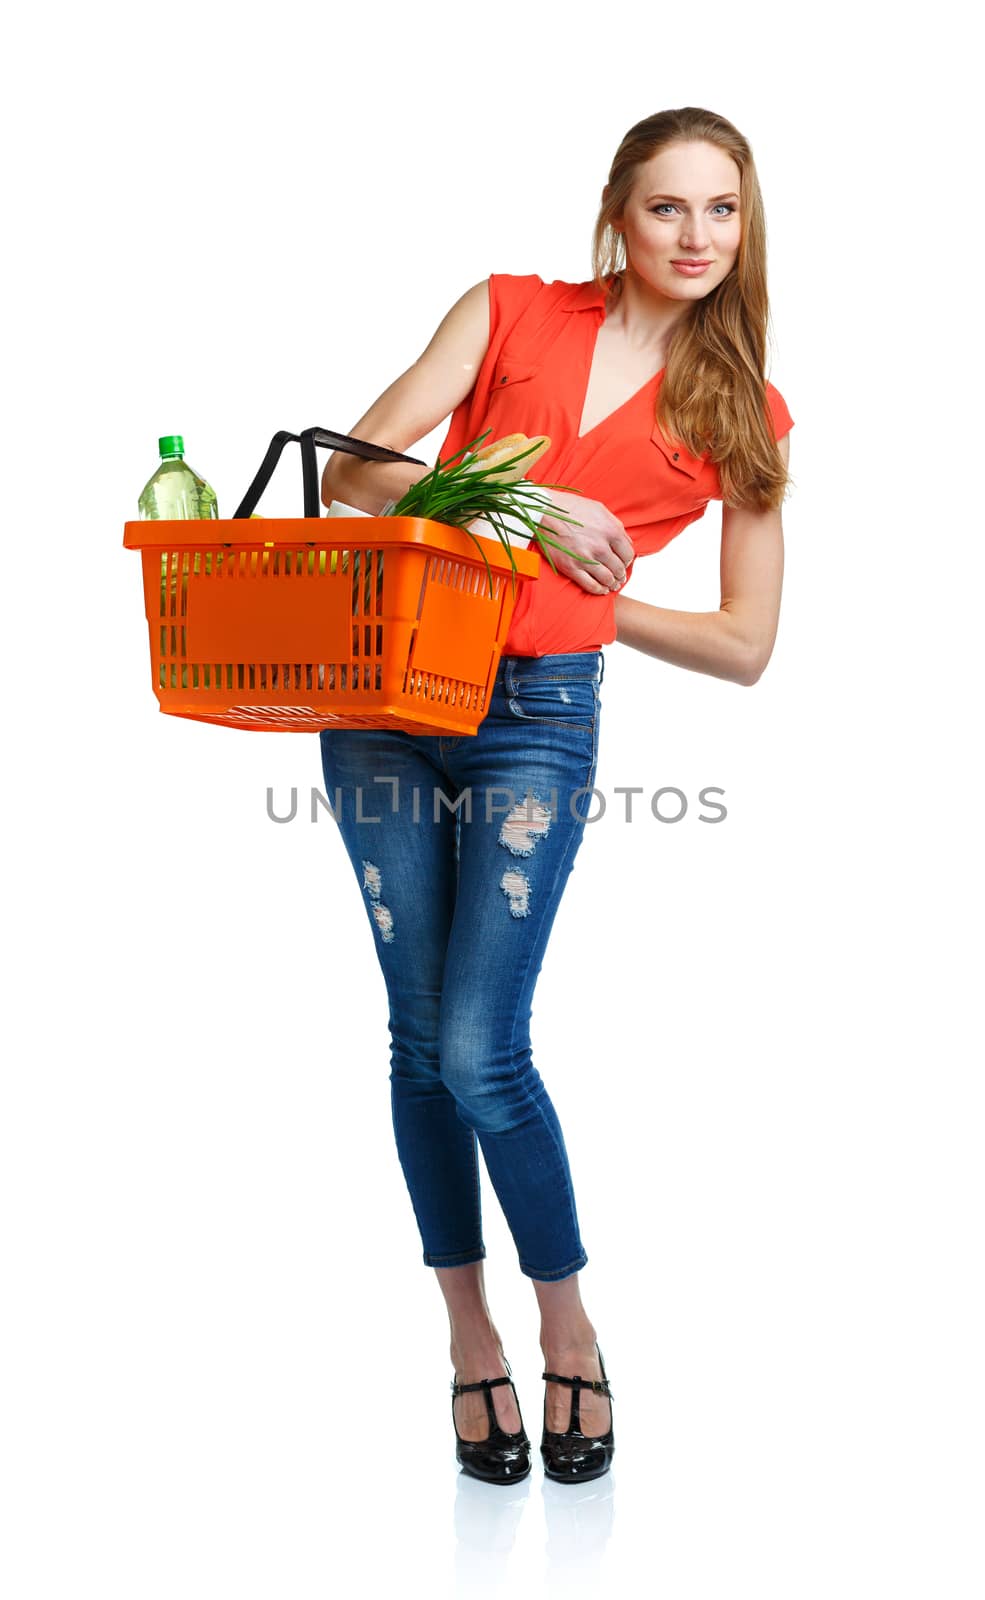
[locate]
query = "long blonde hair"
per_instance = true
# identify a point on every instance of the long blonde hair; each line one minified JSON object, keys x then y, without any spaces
{"x":713,"y":393}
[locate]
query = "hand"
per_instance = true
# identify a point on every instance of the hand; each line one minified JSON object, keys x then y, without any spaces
{"x":601,"y":537}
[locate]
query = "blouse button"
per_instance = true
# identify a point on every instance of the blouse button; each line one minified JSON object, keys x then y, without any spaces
{"x":676,"y":454}
{"x":502,"y":380}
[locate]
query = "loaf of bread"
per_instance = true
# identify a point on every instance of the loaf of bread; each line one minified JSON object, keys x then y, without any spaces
{"x":503,"y":449}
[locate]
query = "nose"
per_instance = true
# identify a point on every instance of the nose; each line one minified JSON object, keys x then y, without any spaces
{"x":693,"y":235}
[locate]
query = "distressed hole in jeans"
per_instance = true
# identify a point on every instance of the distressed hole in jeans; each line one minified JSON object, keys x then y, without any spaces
{"x":373,"y":883}
{"x":529,"y":821}
{"x":516,"y":887}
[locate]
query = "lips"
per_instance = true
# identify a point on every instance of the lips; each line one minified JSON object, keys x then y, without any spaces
{"x":685,"y":261}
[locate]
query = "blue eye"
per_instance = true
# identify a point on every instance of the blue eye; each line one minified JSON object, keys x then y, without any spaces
{"x":723,"y":205}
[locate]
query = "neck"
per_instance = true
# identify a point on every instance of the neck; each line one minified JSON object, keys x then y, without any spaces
{"x":646,"y":319}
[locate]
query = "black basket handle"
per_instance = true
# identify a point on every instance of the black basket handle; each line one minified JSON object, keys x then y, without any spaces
{"x":308,"y":439}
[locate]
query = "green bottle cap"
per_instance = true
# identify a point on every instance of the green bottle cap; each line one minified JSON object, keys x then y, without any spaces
{"x":172,"y":445}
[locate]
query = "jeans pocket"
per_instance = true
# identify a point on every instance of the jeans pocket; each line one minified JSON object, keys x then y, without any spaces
{"x":565,"y":702}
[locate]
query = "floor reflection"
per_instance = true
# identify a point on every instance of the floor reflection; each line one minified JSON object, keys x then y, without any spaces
{"x":578,"y":1521}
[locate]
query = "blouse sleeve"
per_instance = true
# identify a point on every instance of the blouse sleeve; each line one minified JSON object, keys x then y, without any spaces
{"x":782,"y":420}
{"x":509,"y":297}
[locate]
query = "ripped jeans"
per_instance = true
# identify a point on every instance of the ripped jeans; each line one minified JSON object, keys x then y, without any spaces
{"x":461,"y":875}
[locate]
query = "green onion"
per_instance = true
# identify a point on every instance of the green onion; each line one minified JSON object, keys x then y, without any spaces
{"x":460,"y":494}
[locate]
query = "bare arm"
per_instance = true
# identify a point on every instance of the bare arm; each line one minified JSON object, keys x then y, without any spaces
{"x":736,"y":641}
{"x":416,"y":402}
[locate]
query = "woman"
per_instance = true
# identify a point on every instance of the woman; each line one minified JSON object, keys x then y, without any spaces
{"x":649,"y":381}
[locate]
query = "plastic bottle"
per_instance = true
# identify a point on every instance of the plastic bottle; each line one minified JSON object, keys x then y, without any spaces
{"x":175,"y":492}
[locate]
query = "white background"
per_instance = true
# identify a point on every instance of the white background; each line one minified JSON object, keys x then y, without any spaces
{"x":225,"y":1368}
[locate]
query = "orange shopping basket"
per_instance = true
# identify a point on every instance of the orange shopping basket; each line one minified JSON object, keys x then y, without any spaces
{"x":373,"y":622}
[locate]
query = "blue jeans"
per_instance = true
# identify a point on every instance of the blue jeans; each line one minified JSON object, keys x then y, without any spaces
{"x":461,"y":874}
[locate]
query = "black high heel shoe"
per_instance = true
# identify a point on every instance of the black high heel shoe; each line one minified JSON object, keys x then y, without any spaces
{"x":572,"y":1456}
{"x":501,"y":1457}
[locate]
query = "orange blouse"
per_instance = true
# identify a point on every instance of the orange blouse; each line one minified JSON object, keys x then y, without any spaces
{"x":533,"y":380}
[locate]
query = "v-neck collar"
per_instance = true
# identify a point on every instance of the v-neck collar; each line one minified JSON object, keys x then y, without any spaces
{"x":589,"y":297}
{"x":640,"y":391}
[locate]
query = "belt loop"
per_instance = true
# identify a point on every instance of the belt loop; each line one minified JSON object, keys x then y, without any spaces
{"x":601,"y":666}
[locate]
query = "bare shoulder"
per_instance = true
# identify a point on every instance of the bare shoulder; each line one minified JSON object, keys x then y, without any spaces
{"x":464,"y":329}
{"x":432,"y":386}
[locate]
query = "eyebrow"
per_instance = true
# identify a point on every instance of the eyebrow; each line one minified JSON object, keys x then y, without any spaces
{"x":681,"y":201}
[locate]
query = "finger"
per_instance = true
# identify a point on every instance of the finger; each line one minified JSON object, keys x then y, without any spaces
{"x":624,"y":552}
{"x":604,"y":583}
{"x":605,"y":570}
{"x":595,"y":577}
{"x":608,"y":574}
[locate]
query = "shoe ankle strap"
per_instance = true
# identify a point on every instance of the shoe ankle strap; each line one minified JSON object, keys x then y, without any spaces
{"x":597,"y":1385}
{"x":482,"y":1383}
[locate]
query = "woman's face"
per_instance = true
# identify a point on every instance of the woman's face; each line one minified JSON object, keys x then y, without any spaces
{"x":684,"y":206}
